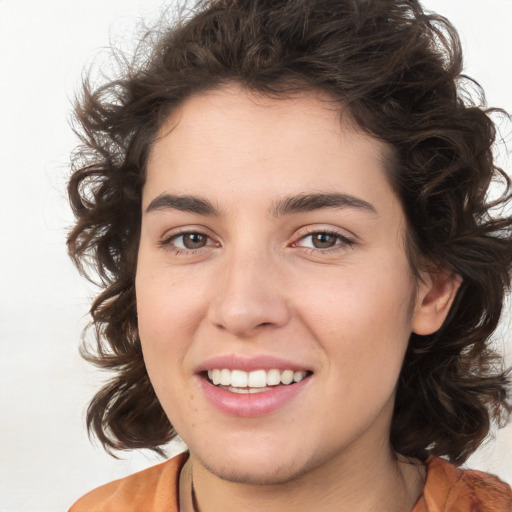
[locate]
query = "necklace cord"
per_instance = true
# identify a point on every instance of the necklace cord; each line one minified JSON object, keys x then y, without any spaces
{"x":195,"y":506}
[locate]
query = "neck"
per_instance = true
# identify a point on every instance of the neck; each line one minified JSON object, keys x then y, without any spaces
{"x":377,"y":483}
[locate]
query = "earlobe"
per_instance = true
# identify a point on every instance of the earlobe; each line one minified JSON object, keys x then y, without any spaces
{"x":435,"y":297}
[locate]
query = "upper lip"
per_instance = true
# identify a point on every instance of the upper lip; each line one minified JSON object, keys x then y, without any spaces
{"x":250,"y":363}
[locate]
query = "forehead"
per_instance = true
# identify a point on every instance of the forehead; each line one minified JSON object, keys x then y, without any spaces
{"x":230,"y":138}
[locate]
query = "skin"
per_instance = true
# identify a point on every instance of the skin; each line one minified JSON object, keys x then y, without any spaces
{"x":259,"y":286}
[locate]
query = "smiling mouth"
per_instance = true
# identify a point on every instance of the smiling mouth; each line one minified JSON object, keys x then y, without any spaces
{"x":257,"y":381}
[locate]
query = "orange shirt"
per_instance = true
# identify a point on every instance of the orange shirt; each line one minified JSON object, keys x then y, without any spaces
{"x":448,"y":489}
{"x":152,"y":490}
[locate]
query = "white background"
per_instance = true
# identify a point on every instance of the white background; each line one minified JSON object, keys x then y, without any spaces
{"x":46,"y":460}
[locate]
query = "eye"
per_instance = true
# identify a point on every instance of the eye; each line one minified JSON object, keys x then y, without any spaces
{"x":323,"y":240}
{"x":187,"y":241}
{"x":190,"y":241}
{"x":319,"y":240}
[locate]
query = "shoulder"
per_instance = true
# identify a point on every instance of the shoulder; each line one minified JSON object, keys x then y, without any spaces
{"x":152,"y":490}
{"x":453,"y":489}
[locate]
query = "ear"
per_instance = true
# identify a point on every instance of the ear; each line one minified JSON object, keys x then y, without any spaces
{"x":436,"y":293}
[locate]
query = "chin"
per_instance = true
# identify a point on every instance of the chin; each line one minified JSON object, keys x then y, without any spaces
{"x":256,"y":474}
{"x":256,"y":464}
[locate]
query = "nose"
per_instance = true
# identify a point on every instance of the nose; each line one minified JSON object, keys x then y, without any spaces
{"x":251,"y":295}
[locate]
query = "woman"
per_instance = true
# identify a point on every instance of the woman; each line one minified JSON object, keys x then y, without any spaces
{"x":287,"y":205}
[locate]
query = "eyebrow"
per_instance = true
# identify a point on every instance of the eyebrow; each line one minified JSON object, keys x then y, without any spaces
{"x":191,"y":204}
{"x":288,"y":205}
{"x":311,"y":202}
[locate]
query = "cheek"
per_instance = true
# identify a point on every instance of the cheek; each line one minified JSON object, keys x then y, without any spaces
{"x":167,"y":313}
{"x":167,"y":304}
{"x":167,"y":316}
{"x":363,"y":324}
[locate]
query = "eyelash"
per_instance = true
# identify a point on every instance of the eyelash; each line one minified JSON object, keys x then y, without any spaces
{"x":343,"y":242}
{"x":167,"y":244}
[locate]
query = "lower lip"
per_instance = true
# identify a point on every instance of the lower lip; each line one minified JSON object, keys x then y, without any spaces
{"x":251,"y":405}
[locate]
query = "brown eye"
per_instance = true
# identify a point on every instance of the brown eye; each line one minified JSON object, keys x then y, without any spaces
{"x":323,"y":240}
{"x":193,"y":240}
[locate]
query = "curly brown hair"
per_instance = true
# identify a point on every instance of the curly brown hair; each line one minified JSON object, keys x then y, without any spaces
{"x":397,"y":70}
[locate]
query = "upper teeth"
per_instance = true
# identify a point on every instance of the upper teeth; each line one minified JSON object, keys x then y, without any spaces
{"x":255,"y":379}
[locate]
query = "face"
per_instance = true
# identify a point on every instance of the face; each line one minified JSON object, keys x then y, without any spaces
{"x":274,"y":294}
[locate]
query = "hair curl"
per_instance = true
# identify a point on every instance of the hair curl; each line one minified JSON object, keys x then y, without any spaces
{"x":397,"y":70}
